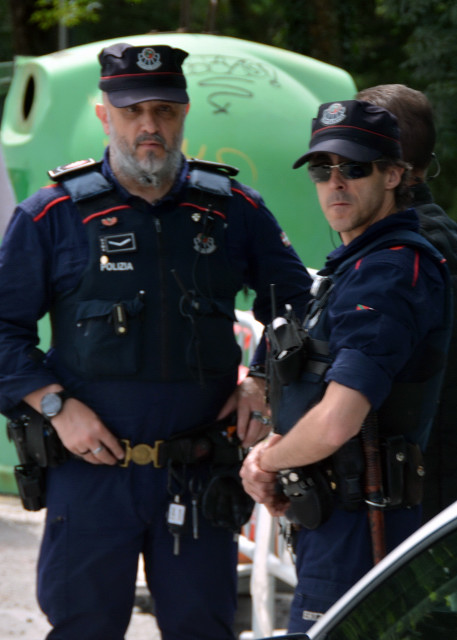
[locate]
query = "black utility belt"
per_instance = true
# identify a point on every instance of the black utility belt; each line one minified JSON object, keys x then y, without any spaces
{"x":217,"y":442}
{"x":38,"y":447}
{"x":315,"y":490}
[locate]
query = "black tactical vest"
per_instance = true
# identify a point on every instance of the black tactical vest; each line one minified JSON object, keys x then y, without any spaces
{"x":410,"y":407}
{"x":156,"y":300}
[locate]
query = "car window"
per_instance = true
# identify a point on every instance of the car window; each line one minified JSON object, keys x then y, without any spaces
{"x":418,"y":602}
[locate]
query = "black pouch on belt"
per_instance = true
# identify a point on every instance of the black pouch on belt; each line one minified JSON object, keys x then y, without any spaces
{"x":310,"y":495}
{"x":224,"y":502}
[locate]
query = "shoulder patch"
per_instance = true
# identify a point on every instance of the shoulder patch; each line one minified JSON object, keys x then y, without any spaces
{"x":213,"y":166}
{"x":74,"y":167}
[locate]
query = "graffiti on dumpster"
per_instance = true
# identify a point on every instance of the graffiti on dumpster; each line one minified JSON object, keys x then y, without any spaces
{"x":229,"y":78}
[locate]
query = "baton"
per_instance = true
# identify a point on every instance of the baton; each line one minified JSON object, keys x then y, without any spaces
{"x":373,"y":486}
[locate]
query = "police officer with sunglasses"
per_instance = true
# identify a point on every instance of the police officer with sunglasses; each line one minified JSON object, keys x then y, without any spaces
{"x":358,"y":407}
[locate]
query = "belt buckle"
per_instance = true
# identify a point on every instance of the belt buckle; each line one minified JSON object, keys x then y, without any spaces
{"x":141,"y":454}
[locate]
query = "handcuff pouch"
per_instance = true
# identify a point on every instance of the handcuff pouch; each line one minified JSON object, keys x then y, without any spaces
{"x":309,"y":493}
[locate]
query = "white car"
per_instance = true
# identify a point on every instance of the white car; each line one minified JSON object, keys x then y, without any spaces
{"x":410,"y":595}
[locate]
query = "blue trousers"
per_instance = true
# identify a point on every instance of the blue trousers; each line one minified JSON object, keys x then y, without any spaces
{"x":99,"y":520}
{"x":331,"y":558}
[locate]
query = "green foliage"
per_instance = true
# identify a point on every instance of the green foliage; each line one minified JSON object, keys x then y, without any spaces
{"x":377,"y":41}
{"x":67,"y":12}
{"x":428,"y":64}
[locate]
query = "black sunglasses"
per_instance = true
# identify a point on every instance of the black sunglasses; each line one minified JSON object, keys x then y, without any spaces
{"x":349,"y":170}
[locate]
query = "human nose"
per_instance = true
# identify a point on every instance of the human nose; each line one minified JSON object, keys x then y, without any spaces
{"x":149,"y":123}
{"x":336,"y":179}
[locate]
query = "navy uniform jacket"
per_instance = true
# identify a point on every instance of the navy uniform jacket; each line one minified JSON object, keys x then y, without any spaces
{"x":378,"y":322}
{"x":44,"y":254}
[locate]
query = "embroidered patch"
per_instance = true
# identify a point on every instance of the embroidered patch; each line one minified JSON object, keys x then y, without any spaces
{"x":284,"y":239}
{"x":109,"y":222}
{"x":334,"y":114}
{"x":363,"y":307}
{"x":311,"y":615}
{"x":116,"y":266}
{"x":118,"y":243}
{"x":204,"y":244}
{"x":149,"y":60}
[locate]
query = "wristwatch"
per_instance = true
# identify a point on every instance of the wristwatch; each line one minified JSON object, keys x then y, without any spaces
{"x":52,"y":403}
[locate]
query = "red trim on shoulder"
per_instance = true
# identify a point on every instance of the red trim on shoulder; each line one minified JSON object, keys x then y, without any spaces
{"x":416,"y":267}
{"x":246,"y":197}
{"x":400,"y":246}
{"x":105,"y":212}
{"x":196,"y":206}
{"x":48,"y":206}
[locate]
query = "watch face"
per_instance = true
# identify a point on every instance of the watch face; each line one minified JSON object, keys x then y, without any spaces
{"x":51,"y":405}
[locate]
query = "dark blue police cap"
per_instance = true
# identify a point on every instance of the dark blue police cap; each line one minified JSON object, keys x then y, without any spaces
{"x":135,"y":74}
{"x":356,"y":130}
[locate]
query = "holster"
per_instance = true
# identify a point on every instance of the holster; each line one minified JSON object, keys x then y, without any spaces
{"x":287,"y":341}
{"x":38,"y":446}
{"x":309,"y":493}
{"x":35,"y":439}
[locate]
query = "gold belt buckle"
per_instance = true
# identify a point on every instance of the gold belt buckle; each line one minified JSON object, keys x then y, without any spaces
{"x":141,"y":454}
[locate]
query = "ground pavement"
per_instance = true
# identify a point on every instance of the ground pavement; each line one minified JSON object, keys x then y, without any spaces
{"x":20,"y":616}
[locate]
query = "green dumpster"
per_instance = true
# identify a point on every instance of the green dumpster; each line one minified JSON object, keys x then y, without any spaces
{"x":251,"y":106}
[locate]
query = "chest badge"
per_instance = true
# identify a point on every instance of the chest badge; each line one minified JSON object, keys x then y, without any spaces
{"x":119,"y":243}
{"x":204,"y":244}
{"x":109,"y":222}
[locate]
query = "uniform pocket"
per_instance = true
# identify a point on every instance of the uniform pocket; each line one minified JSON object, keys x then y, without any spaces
{"x":108,"y":337}
{"x":215,"y":351}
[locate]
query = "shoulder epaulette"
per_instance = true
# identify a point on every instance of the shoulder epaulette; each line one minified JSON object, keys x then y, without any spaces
{"x":195,"y":163}
{"x":65,"y":170}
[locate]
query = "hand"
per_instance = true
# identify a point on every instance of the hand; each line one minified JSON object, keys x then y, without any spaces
{"x":262,"y":485}
{"x":84,"y":434}
{"x":247,"y":398}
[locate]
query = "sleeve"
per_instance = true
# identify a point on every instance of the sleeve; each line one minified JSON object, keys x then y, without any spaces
{"x":269,"y":259}
{"x":28,"y":283}
{"x":380,"y":315}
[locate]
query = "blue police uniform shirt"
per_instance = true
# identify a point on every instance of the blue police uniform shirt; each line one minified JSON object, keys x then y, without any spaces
{"x":45,"y":251}
{"x":382,"y":309}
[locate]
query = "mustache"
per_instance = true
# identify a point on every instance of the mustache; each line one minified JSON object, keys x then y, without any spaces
{"x":151,"y":137}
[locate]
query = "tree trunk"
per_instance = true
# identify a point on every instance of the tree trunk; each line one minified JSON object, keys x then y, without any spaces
{"x":28,"y":39}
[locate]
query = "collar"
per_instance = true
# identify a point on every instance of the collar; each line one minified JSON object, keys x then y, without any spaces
{"x":179,"y":183}
{"x":406,"y":219}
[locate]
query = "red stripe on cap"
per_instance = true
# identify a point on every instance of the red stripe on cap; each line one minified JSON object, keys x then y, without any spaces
{"x":139,"y":75}
{"x":346,"y":126}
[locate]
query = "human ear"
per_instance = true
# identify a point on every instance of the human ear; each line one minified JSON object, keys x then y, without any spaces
{"x":101,"y":113}
{"x":393,"y":176}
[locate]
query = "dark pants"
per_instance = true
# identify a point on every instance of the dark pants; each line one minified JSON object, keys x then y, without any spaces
{"x":331,"y":558}
{"x":99,"y":520}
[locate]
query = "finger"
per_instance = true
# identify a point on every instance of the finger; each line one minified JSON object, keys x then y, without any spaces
{"x":259,"y":426}
{"x":229,"y":406}
{"x":103,"y":455}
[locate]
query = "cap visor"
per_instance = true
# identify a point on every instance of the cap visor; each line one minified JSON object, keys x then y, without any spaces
{"x":134,"y":96}
{"x":343,"y":148}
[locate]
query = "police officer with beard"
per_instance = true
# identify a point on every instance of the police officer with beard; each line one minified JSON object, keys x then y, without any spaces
{"x":138,"y":260}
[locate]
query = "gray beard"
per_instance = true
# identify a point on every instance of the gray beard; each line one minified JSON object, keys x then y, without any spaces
{"x":148,"y":172}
